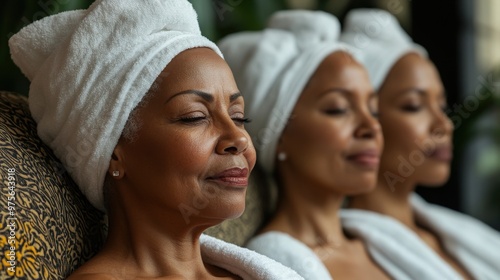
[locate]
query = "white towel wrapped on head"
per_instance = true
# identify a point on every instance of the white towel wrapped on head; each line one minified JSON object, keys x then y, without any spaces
{"x":380,"y":39}
{"x":90,"y":68}
{"x":273,"y":66}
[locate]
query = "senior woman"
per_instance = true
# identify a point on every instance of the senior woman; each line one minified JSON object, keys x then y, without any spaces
{"x":145,"y":115}
{"x":418,"y":151}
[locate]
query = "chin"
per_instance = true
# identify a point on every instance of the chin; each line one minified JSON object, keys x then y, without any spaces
{"x":435,"y":179}
{"x":361,"y":187}
{"x":433,"y":183}
{"x":214,"y":218}
{"x":227,"y":211}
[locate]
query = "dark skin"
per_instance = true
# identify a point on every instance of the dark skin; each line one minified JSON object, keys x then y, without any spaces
{"x":333,"y":142}
{"x":415,"y":127}
{"x":170,"y":187}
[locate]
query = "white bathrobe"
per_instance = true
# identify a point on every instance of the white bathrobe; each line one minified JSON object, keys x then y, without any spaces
{"x":472,"y":243}
{"x":243,"y":262}
{"x":398,"y":250}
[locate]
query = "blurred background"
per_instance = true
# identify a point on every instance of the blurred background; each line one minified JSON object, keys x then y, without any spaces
{"x":461,"y":36}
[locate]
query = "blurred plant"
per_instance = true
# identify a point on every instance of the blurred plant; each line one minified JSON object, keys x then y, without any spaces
{"x":15,"y":14}
{"x":484,"y":123}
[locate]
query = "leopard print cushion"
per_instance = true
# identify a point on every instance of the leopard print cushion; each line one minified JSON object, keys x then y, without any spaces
{"x":50,"y":228}
{"x":55,"y":229}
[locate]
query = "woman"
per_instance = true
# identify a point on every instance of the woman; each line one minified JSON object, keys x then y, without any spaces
{"x":317,"y":136}
{"x":418,"y":149}
{"x":146,"y":116}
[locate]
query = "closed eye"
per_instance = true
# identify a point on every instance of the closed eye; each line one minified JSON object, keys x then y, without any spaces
{"x":411,"y":108}
{"x":335,"y":112}
{"x":192,"y":120}
{"x":242,"y":121}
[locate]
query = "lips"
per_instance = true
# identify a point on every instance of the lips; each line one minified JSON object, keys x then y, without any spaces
{"x":233,"y":177}
{"x":442,"y":153}
{"x":366,"y":158}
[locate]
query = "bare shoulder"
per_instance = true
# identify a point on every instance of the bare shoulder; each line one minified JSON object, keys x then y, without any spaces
{"x":98,"y":268}
{"x":91,"y":276}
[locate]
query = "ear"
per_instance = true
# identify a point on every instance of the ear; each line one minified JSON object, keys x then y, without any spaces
{"x":282,"y":140}
{"x":279,"y":148}
{"x":117,"y":164}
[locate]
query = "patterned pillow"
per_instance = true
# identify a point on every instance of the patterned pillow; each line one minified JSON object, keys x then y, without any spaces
{"x":47,"y":227}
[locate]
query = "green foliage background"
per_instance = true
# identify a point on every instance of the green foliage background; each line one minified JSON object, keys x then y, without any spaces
{"x":217,"y":18}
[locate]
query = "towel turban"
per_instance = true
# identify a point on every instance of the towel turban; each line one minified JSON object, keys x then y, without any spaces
{"x":90,"y":68}
{"x":380,"y":39}
{"x":273,"y":66}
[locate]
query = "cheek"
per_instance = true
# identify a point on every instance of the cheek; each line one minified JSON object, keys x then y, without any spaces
{"x":250,"y":154}
{"x":319,"y":139}
{"x":402,"y":134}
{"x":163,"y":155}
{"x":184,"y":153}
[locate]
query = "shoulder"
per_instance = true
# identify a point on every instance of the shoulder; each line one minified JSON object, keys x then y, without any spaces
{"x":91,"y":276}
{"x":288,"y":251}
{"x":291,"y":252}
{"x":273,"y":240}
{"x":97,"y":268}
{"x":280,"y":246}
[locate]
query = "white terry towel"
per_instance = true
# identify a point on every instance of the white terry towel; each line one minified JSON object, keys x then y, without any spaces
{"x":90,"y":68}
{"x":380,"y":39}
{"x":272,"y":67}
{"x":245,"y":263}
{"x":291,"y":252}
{"x":475,"y":245}
{"x":398,"y":250}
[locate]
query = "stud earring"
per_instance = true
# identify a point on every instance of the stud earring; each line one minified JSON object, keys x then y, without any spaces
{"x":116,"y":173}
{"x":282,"y":156}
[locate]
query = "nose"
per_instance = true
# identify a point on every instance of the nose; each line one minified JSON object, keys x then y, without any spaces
{"x":442,"y":125}
{"x":233,"y":140}
{"x":368,"y":128}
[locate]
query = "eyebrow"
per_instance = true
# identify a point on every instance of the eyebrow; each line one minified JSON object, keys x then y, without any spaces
{"x":235,"y":96}
{"x":413,"y":90}
{"x":420,"y":92}
{"x":344,"y":92}
{"x":334,"y":90}
{"x":206,"y":96}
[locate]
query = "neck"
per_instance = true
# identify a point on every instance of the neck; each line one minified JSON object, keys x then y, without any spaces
{"x":310,"y":216}
{"x":392,"y":201}
{"x":147,"y":245}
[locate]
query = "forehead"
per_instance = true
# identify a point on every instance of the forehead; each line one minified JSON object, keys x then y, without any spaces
{"x":338,"y":70}
{"x":412,"y":71}
{"x":196,"y":69}
{"x":335,"y":62}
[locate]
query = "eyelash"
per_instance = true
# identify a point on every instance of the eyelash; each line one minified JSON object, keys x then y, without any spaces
{"x":411,"y":108}
{"x":414,"y":109}
{"x":192,"y":120}
{"x":242,"y":120}
{"x":335,"y":112}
